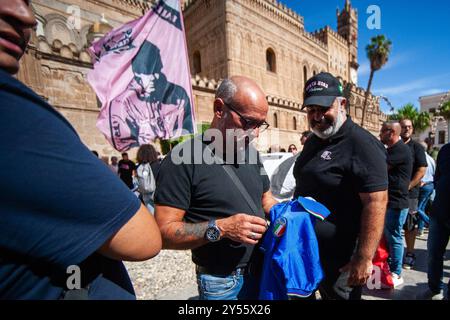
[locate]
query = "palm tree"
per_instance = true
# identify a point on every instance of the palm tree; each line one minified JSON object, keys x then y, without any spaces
{"x":378,"y":53}
{"x":444,"y":111}
{"x":421,"y":120}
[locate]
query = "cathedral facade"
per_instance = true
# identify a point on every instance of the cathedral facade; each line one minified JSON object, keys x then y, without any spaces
{"x":261,"y":39}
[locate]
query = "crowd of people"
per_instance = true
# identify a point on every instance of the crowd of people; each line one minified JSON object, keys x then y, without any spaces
{"x":61,"y":206}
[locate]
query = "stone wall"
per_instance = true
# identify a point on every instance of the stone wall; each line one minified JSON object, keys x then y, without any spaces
{"x":205,"y":33}
{"x":232,"y":37}
{"x":253,"y":28}
{"x":338,"y":52}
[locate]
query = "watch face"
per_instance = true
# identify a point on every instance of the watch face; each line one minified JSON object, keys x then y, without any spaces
{"x":212,"y":234}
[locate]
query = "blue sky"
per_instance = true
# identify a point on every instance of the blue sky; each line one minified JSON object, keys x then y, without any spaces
{"x":420,"y":32}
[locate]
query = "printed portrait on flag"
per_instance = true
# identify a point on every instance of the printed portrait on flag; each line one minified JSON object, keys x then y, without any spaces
{"x":150,"y":96}
{"x":141,"y":75}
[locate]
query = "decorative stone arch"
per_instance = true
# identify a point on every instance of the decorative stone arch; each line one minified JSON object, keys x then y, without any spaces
{"x":358,"y":102}
{"x":275,"y":120}
{"x":56,"y":28}
{"x":271,"y":60}
{"x":248,"y":38}
{"x":237,"y":45}
{"x":305,"y":72}
{"x":197,"y":62}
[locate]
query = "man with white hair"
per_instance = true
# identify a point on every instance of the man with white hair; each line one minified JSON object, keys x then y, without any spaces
{"x":344,"y":167}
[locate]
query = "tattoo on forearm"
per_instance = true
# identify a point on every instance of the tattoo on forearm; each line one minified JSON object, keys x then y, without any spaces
{"x":191,"y":229}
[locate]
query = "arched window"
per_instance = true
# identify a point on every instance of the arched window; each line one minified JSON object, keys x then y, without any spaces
{"x":271,"y":63}
{"x":314,"y":72}
{"x":305,"y":74}
{"x":294,"y":123}
{"x":275,"y":120}
{"x":197,"y":62}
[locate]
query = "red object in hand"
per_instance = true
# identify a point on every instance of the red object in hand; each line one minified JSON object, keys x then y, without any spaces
{"x":380,"y":261}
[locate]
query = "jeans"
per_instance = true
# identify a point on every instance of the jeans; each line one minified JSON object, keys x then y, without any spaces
{"x":232,"y":287}
{"x":424,"y":196}
{"x":395,"y":218}
{"x":438,"y":238}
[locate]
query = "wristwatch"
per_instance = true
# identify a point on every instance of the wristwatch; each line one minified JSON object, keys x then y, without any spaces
{"x":212,"y":233}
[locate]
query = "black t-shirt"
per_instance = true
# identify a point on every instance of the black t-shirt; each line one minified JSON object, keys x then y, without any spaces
{"x":205,"y":191}
{"x":155,"y":165}
{"x":419,"y":160}
{"x":441,"y":204}
{"x":126,"y":169}
{"x":399,"y":162}
{"x":334,"y":171}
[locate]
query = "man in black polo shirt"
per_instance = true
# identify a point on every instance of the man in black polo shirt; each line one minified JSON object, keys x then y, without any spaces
{"x":344,"y":167}
{"x":199,"y":207}
{"x":126,"y":168}
{"x":399,"y":162}
{"x":419,"y":169}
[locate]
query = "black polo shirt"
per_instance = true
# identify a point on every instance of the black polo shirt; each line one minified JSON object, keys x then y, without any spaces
{"x":441,"y":204}
{"x":334,"y":171}
{"x":400,"y":163}
{"x":205,"y":191}
{"x":419,"y":160}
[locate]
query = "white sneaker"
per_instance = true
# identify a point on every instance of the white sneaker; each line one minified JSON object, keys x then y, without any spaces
{"x":397,"y":280}
{"x":430,"y":295}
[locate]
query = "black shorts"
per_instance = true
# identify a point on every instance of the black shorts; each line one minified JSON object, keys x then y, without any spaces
{"x":412,"y":220}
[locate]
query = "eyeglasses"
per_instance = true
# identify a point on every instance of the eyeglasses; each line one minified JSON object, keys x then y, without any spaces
{"x":249,"y":123}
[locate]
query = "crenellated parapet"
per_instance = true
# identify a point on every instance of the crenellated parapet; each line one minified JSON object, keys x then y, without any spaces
{"x":315,"y":40}
{"x":283,"y":102}
{"x":283,"y":9}
{"x":203,"y":83}
{"x":272,"y":8}
{"x":323,"y":33}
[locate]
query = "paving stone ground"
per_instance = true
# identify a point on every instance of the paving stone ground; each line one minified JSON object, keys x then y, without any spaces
{"x":415,"y":281}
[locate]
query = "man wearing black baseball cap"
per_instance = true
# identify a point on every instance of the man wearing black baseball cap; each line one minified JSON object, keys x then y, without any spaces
{"x":344,"y":167}
{"x":322,"y":90}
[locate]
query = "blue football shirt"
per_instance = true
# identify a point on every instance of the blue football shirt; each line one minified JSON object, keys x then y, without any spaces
{"x":291,"y":252}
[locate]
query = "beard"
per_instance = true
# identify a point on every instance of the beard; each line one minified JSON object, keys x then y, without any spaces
{"x":332,"y":129}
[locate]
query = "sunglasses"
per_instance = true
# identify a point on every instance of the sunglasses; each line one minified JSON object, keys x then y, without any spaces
{"x":249,"y":123}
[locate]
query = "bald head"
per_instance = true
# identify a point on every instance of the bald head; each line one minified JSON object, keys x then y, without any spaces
{"x":250,"y":94}
{"x":395,"y":127}
{"x":243,"y":95}
{"x":390,"y":132}
{"x":240,"y":107}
